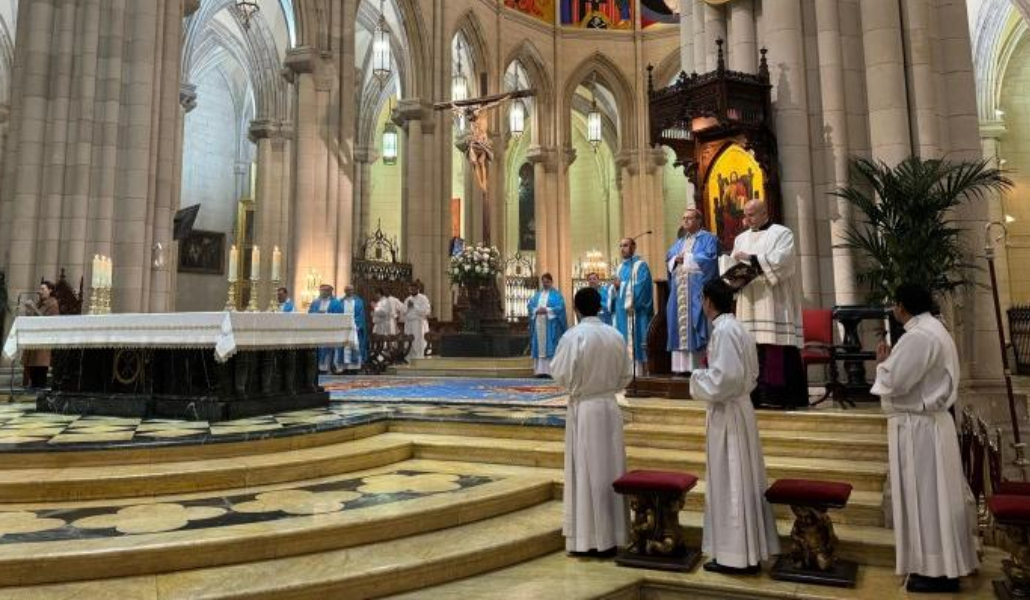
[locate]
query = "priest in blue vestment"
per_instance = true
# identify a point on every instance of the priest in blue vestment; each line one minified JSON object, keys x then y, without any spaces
{"x":282,"y":296}
{"x":605,"y":290}
{"x":633,"y":301}
{"x":353,"y":305}
{"x":546,"y":324}
{"x":326,"y":303}
{"x":692,"y":261}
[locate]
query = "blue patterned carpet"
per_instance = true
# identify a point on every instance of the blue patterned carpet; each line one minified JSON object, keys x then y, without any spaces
{"x":445,"y":390}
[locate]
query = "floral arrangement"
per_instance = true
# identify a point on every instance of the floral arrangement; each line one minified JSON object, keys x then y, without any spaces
{"x":475,"y":265}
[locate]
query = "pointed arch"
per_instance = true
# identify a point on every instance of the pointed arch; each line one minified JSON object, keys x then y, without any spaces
{"x":667,"y":69}
{"x":469,"y":26}
{"x":541,"y":80}
{"x":612,"y":77}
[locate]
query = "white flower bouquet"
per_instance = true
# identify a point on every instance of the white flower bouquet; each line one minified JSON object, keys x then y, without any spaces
{"x":475,"y":265}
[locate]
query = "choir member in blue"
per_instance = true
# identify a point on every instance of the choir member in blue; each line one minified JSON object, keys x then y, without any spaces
{"x":634,"y":301}
{"x":546,"y":324}
{"x":326,"y":303}
{"x":352,"y":304}
{"x":692,"y":261}
{"x":282,"y":296}
{"x":605,"y":290}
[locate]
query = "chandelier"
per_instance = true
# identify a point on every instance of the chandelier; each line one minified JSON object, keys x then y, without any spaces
{"x":593,"y":262}
{"x":247,"y":10}
{"x":390,"y":139}
{"x":381,"y":53}
{"x":517,"y":113}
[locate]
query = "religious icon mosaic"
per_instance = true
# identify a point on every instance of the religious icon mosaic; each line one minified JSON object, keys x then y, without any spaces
{"x":734,"y":179}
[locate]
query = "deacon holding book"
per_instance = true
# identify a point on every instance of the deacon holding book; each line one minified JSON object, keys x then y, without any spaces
{"x":769,"y":305}
{"x":634,"y":301}
{"x":692,"y":262}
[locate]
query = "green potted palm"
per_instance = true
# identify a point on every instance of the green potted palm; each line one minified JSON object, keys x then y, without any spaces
{"x":905,"y":227}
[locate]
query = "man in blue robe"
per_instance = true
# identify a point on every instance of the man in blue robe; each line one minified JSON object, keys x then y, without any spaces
{"x":692,"y":261}
{"x":282,"y":296}
{"x":546,"y":324}
{"x":353,"y":305}
{"x":633,"y":301}
{"x":328,"y":358}
{"x":605,"y":290}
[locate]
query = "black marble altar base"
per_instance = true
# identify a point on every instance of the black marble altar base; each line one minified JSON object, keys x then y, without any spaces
{"x":210,"y":409}
{"x":182,"y":383}
{"x":483,"y":345}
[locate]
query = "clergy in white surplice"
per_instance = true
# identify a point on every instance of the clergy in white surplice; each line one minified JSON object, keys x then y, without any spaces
{"x":416,"y":321}
{"x":353,"y":305}
{"x":385,"y":313}
{"x":633,"y":301}
{"x":592,"y":363}
{"x":692,"y":261}
{"x":329,"y":359}
{"x":770,"y":307}
{"x":917,"y":383}
{"x":547,"y":324}
{"x":739,"y":527}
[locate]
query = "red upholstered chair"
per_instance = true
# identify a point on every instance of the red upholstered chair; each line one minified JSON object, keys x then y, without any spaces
{"x":655,"y":536}
{"x":1012,"y":514}
{"x":817,"y":324}
{"x":813,"y":558}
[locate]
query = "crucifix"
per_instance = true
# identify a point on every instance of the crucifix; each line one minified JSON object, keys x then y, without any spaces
{"x":480,"y":151}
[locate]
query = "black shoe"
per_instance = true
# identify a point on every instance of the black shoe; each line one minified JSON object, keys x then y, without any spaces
{"x":715,"y":567}
{"x":932,"y":585}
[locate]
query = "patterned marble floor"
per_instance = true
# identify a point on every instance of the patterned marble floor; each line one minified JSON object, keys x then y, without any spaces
{"x":446,"y":390}
{"x":22,"y":429}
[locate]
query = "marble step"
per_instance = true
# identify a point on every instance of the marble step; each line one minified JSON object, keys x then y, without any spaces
{"x":367,"y":571}
{"x":162,"y":478}
{"x":586,"y":579}
{"x":692,"y":412}
{"x":278,"y":535}
{"x":863,"y":475}
{"x":62,"y":457}
{"x":516,"y":367}
{"x":775,"y":442}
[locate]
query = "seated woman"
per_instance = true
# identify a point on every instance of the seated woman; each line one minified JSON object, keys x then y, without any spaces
{"x":36,"y":363}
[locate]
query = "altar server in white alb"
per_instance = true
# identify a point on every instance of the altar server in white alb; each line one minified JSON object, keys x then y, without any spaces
{"x":592,"y":363}
{"x":416,"y":323}
{"x":770,"y":307}
{"x":917,"y":383}
{"x":547,"y":324}
{"x":385,"y":313}
{"x":739,"y":527}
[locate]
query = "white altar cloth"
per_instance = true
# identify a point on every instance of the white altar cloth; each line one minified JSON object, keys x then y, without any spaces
{"x":224,"y":332}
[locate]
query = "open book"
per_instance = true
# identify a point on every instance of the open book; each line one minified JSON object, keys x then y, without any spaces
{"x":739,"y":275}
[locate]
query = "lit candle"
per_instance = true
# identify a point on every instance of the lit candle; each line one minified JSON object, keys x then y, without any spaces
{"x":277,"y":259}
{"x":255,"y":263}
{"x":105,"y":261}
{"x":96,"y":271}
{"x":233,"y":257}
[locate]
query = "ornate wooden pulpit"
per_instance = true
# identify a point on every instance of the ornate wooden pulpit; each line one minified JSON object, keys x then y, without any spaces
{"x":720,"y":126}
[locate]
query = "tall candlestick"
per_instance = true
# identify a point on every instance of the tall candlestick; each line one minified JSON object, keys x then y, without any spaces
{"x":95,"y":279}
{"x":277,"y":259}
{"x":255,"y":263}
{"x":109,"y":272}
{"x":233,"y":258}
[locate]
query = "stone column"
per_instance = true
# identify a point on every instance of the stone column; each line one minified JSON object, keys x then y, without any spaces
{"x":418,"y":227}
{"x":889,"y":134}
{"x":686,"y":35}
{"x":365,"y":156}
{"x":715,"y":29}
{"x":545,"y":188}
{"x":790,"y":109}
{"x":834,"y":136}
{"x":700,"y":39}
{"x":923,"y":110}
{"x":654,"y":161}
{"x":743,"y":53}
{"x":91,"y":156}
{"x":271,"y":201}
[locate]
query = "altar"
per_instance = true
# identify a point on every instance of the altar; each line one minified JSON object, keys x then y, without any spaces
{"x":197,"y":366}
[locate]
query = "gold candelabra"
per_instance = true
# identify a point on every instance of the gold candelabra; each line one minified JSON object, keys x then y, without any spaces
{"x":252,"y":305}
{"x":273,"y":302}
{"x":230,"y":303}
{"x":100,"y":300}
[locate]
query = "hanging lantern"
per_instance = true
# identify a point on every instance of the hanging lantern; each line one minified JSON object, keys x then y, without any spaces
{"x":517,"y":118}
{"x":459,"y":83}
{"x":247,"y":9}
{"x":390,"y":140}
{"x":594,"y":117}
{"x":381,"y":54}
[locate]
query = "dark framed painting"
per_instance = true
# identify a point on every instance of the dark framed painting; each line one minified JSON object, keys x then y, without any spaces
{"x":202,"y":252}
